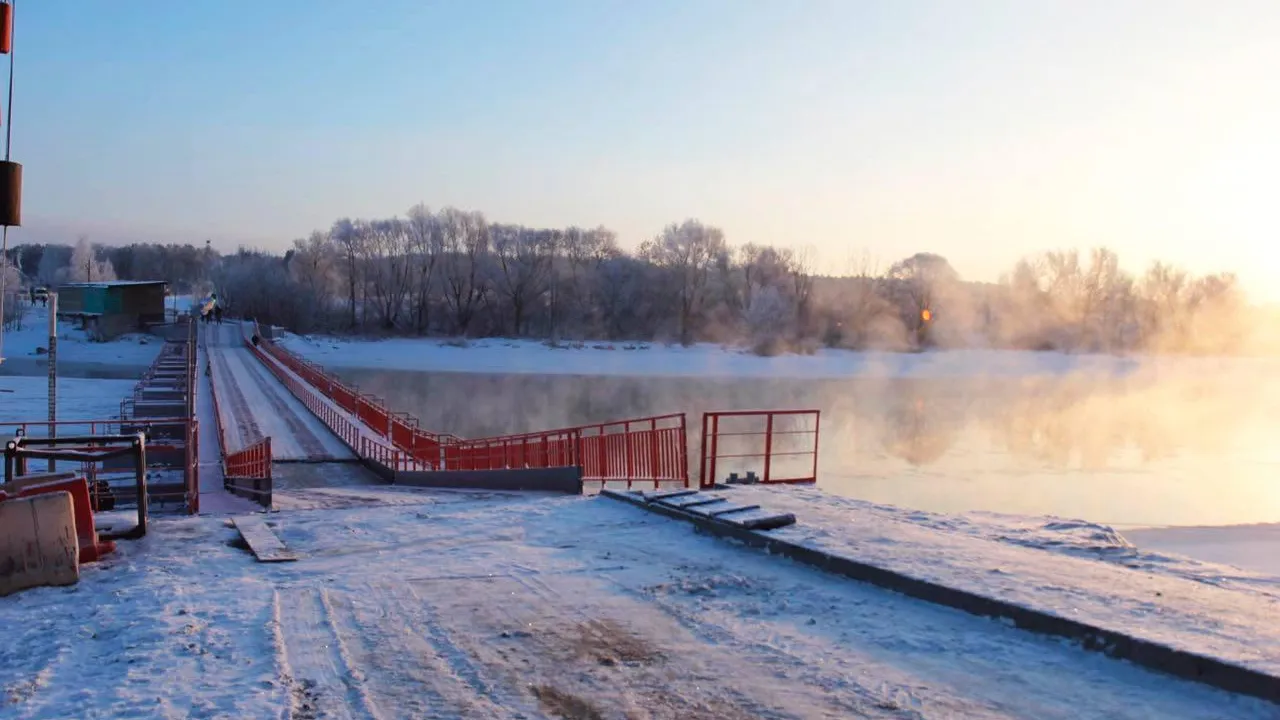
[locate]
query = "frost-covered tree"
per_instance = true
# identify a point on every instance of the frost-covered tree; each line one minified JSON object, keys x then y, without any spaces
{"x":923,"y":282}
{"x":686,"y":253}
{"x":86,"y":266}
{"x":10,"y":295}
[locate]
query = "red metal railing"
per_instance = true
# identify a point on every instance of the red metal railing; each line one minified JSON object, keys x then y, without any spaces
{"x":168,"y":448}
{"x":338,"y":420}
{"x":253,"y":462}
{"x":779,"y":446}
{"x":645,"y":450}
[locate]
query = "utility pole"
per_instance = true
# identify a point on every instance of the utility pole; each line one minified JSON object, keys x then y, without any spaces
{"x":53,"y":372}
{"x":10,"y":172}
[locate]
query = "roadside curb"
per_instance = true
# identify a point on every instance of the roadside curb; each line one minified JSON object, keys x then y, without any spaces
{"x":1116,"y":644}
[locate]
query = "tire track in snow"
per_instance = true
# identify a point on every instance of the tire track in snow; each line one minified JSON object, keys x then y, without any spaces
{"x":885,"y":700}
{"x":315,"y":664}
{"x":408,"y":670}
{"x":732,"y":696}
{"x":246,"y":424}
{"x":460,"y":663}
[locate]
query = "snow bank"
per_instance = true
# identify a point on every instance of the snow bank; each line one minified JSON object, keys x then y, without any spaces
{"x":1252,"y":547}
{"x":1073,"y":569}
{"x":74,"y":346}
{"x":705,"y":360}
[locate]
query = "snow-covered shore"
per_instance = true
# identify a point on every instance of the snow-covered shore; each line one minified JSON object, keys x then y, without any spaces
{"x":1072,"y":568}
{"x":440,"y":604}
{"x":130,"y":353}
{"x":495,"y":355}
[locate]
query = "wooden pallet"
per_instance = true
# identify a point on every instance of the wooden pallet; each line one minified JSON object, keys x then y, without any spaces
{"x":264,"y":543}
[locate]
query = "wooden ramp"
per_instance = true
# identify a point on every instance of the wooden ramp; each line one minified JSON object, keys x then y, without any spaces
{"x":716,"y":506}
{"x":264,"y":543}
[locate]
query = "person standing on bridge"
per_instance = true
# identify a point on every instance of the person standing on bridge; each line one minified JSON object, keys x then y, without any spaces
{"x":217,"y":314}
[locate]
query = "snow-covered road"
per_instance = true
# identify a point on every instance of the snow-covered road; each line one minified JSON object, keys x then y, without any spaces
{"x":255,"y":405}
{"x":488,"y":605}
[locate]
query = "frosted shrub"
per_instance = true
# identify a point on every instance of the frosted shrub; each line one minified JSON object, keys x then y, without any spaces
{"x":768,"y":321}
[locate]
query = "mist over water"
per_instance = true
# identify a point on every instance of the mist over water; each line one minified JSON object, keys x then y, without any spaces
{"x":1181,"y":443}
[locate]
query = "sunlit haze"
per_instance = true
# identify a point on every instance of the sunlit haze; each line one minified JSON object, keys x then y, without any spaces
{"x":982,"y":131}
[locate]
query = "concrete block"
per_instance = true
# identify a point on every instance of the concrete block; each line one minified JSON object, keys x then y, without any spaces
{"x":38,"y":544}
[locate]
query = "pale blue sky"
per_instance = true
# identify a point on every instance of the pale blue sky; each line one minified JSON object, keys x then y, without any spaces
{"x":980,"y":130}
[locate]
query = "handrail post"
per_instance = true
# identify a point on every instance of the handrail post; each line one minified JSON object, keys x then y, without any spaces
{"x":768,"y":445}
{"x":817,"y":424}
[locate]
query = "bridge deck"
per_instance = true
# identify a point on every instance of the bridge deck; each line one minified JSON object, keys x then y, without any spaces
{"x":254,"y":405}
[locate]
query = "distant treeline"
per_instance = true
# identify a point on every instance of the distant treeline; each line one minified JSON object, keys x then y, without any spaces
{"x":453,"y":272}
{"x":184,"y":267}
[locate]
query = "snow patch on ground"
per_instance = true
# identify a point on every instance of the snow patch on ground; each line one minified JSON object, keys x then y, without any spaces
{"x":502,"y":606}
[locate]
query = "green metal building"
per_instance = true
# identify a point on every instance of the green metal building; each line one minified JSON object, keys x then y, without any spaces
{"x":109,"y":309}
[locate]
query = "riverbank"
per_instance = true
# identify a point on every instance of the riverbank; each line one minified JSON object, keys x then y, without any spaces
{"x":459,"y":604}
{"x":26,"y":351}
{"x":704,"y":360}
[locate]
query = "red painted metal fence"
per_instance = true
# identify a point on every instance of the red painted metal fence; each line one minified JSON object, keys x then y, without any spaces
{"x":649,"y":450}
{"x":246,"y":472}
{"x":778,"y":446}
{"x":340,"y":419}
{"x":645,"y":450}
{"x":170,"y":448}
{"x":253,"y":462}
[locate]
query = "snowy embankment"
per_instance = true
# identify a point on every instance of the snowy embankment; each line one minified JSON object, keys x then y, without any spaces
{"x":1072,"y":569}
{"x":442,"y":604}
{"x":26,"y":348}
{"x":706,"y":360}
{"x":1253,"y":547}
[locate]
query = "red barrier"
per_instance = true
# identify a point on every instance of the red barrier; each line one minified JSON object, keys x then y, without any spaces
{"x":86,"y":532}
{"x":253,"y":462}
{"x":402,"y":429}
{"x":645,"y":450}
{"x":777,"y":446}
{"x":389,"y":457}
{"x":365,"y":447}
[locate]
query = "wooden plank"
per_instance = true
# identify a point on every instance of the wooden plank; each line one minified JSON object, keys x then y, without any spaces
{"x":760,"y":520}
{"x":695,"y":502}
{"x":719,"y":510}
{"x":657,"y":495}
{"x":264,"y":543}
{"x":691,"y":501}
